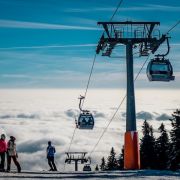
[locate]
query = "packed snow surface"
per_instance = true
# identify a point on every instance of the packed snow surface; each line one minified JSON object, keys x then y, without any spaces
{"x":141,"y":174}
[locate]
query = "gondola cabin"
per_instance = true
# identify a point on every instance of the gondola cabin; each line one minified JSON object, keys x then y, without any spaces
{"x":160,"y":70}
{"x":85,"y":121}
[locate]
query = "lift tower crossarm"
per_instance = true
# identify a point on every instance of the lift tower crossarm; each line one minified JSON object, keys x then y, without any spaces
{"x":149,"y":25}
{"x":129,"y":22}
{"x":109,"y":26}
{"x":125,"y":40}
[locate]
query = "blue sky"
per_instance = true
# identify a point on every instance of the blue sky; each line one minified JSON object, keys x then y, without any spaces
{"x":51,"y":43}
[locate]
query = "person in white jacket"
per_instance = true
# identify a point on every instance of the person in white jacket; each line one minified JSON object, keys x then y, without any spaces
{"x":12,"y":154}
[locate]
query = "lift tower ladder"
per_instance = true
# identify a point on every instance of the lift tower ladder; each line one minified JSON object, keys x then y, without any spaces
{"x":76,"y":157}
{"x":131,"y":34}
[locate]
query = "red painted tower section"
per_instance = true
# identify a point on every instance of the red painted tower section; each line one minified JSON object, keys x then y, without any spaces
{"x":131,"y":151}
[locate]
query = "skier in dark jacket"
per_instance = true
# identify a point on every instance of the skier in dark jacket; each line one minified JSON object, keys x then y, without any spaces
{"x":50,"y":156}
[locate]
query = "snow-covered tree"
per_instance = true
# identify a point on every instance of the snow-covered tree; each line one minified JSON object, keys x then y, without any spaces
{"x":162,"y":149}
{"x":175,"y":140}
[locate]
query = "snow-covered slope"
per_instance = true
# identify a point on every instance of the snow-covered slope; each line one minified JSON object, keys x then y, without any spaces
{"x":142,"y":174}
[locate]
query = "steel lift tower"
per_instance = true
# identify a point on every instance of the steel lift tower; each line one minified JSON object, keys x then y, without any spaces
{"x":131,"y":34}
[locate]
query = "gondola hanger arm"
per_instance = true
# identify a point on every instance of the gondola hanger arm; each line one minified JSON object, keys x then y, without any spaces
{"x":168,"y":49}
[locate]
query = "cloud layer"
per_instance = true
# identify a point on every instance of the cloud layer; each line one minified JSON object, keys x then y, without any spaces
{"x":36,"y":116}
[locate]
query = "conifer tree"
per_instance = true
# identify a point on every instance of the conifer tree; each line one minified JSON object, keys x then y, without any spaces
{"x":175,"y":141}
{"x":111,"y":161}
{"x":121,"y":159}
{"x":152,"y":149}
{"x":103,"y":164}
{"x":162,"y":148}
{"x":147,"y":147}
{"x":97,"y":167}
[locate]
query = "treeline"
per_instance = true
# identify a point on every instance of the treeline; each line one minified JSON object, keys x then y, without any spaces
{"x":162,"y":153}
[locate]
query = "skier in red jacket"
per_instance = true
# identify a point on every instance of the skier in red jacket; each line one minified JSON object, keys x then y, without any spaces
{"x":3,"y":150}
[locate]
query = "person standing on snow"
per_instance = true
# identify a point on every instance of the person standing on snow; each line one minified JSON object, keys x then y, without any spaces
{"x":3,"y":150}
{"x":50,"y":156}
{"x":12,"y":154}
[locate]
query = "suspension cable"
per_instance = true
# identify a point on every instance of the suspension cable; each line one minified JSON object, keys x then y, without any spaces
{"x":70,"y":145}
{"x":89,"y":79}
{"x":94,"y":59}
{"x":72,"y":139}
{"x":117,"y":8}
{"x":177,"y":23}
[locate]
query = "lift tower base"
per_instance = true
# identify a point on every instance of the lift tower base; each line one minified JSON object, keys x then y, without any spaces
{"x":131,"y":150}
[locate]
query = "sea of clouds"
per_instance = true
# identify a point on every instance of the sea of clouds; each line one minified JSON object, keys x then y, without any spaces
{"x":36,"y":116}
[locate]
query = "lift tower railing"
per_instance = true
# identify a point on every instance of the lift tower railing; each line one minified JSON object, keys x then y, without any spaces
{"x":145,"y":36}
